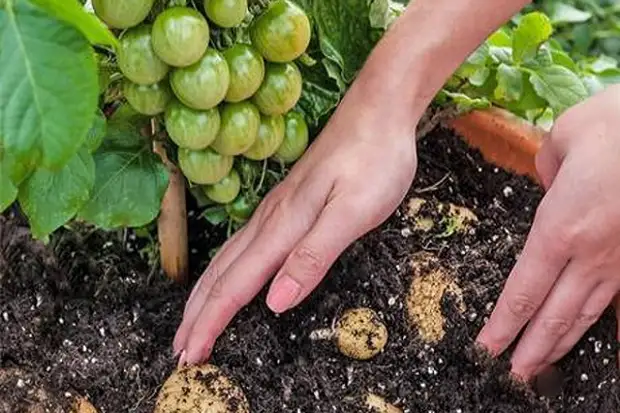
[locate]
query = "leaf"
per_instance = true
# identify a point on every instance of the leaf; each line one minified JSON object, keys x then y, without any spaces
{"x":559,"y":86}
{"x":215,"y":215}
{"x":545,"y":120}
{"x":465,"y":103}
{"x":50,"y":199}
{"x":566,"y":13}
{"x":320,"y":94}
{"x":384,"y":12}
{"x":603,"y":63}
{"x":480,"y":76}
{"x":509,"y":83}
{"x":8,"y":191}
{"x":48,"y":87}
{"x":533,"y":30}
{"x":345,"y":33}
{"x":563,"y":59}
{"x":71,"y":12}
{"x":501,"y":54}
{"x":130,"y":183}
{"x":96,"y":133}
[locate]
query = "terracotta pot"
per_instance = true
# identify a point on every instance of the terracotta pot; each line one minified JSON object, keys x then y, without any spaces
{"x":503,"y":139}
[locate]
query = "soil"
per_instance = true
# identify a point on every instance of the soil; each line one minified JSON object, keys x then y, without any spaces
{"x":87,"y":315}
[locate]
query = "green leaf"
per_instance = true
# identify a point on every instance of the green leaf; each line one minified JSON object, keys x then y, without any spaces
{"x":567,"y":13}
{"x":501,"y":38}
{"x":465,"y":103}
{"x":501,"y":54}
{"x":384,"y":12}
{"x":215,"y":215}
{"x":509,"y":83}
{"x":50,"y":199}
{"x":603,"y":63}
{"x":480,"y":76}
{"x":8,"y":191}
{"x":48,"y":87}
{"x":73,"y":13}
{"x":130,"y":183}
{"x":533,"y":30}
{"x":96,"y":133}
{"x":321,"y":93}
{"x":545,"y":120}
{"x":563,"y":59}
{"x":559,"y":86}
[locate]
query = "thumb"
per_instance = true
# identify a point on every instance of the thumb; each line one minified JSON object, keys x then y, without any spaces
{"x":314,"y":254}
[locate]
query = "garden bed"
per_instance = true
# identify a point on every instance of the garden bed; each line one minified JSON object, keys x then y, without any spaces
{"x":87,"y":316}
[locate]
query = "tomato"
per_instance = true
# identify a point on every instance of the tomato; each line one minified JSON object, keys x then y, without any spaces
{"x":190,"y":128}
{"x":270,"y":137}
{"x":122,"y":14}
{"x":241,"y":209}
{"x":282,"y":33}
{"x":239,"y":129}
{"x":204,"y":84}
{"x":226,"y":190}
{"x":247,"y":71}
{"x":226,"y":13}
{"x":148,"y":100}
{"x":137,"y":59}
{"x":280,"y":90}
{"x":205,"y":167}
{"x":296,"y":138}
{"x":180,"y":36}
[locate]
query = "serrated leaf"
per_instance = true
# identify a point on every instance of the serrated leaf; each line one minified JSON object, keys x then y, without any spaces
{"x":558,"y":86}
{"x":73,"y":13}
{"x":509,"y":83}
{"x":48,"y":87}
{"x":50,"y":199}
{"x":533,"y":30}
{"x":8,"y":191}
{"x":129,"y":186}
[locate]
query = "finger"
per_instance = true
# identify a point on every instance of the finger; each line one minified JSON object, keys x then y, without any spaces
{"x":312,"y":257}
{"x":541,"y":262}
{"x":554,"y":319}
{"x":246,"y":276}
{"x":218,"y":265}
{"x":589,"y":314}
{"x":547,"y":162}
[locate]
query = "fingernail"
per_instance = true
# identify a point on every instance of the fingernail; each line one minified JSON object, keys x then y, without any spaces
{"x":283,"y":295}
{"x":182,"y":359}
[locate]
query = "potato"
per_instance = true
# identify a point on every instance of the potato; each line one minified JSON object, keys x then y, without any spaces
{"x":201,"y":389}
{"x":360,"y":334}
{"x":378,"y":404}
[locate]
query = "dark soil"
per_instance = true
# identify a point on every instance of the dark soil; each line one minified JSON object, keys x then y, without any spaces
{"x":86,"y":315}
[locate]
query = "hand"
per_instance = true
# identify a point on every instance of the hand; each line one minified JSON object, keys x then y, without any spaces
{"x":350,"y":180}
{"x":569,"y":270}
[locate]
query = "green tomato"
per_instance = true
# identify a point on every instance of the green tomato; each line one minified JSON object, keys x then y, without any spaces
{"x":204,"y":84}
{"x":241,"y":209}
{"x":122,"y":14}
{"x":280,"y":90}
{"x":226,"y":190}
{"x":148,"y":100}
{"x":282,"y":33}
{"x":239,"y":128}
{"x":226,"y":13}
{"x":296,"y":138}
{"x":180,"y":36}
{"x":270,"y":137}
{"x":190,"y":128}
{"x":204,"y":167}
{"x":137,"y":59}
{"x":247,"y":71}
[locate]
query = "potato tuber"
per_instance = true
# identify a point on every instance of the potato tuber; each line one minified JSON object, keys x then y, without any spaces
{"x":201,"y":389}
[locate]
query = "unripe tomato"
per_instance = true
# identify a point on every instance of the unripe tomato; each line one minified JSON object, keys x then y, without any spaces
{"x":270,"y":137}
{"x":205,"y":167}
{"x":122,"y":14}
{"x":180,"y":36}
{"x":226,"y":190}
{"x":282,"y":33}
{"x":190,"y":128}
{"x":241,"y":209}
{"x":280,"y":90}
{"x":296,"y":138}
{"x":247,"y":71}
{"x":204,"y":84}
{"x":149,"y":100}
{"x":137,"y":59}
{"x":226,"y":13}
{"x":239,"y":128}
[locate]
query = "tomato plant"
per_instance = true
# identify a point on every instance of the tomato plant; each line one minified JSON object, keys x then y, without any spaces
{"x":281,"y":89}
{"x":239,"y":129}
{"x":148,"y":99}
{"x":226,"y":13}
{"x":137,"y":59}
{"x":122,"y":14}
{"x":189,"y":128}
{"x":225,"y":190}
{"x":247,"y":71}
{"x":296,"y":138}
{"x":204,"y":166}
{"x":269,"y":139}
{"x":180,"y":36}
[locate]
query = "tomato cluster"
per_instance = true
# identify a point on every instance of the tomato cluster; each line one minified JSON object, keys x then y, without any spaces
{"x":216,"y":105}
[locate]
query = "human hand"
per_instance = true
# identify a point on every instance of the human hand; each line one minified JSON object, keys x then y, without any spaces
{"x":350,"y":180}
{"x":569,"y":270}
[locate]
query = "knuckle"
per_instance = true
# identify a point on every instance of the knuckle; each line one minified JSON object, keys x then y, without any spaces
{"x":521,"y":306}
{"x":556,"y":327}
{"x":587,"y":319}
{"x":224,"y":297}
{"x":306,"y":263}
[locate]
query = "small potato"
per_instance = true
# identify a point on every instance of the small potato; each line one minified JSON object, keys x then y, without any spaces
{"x":378,"y":404}
{"x":200,"y":389}
{"x":360,"y":334}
